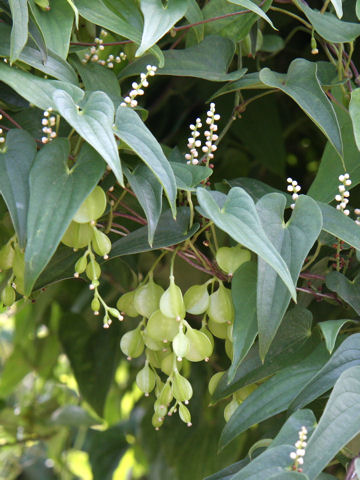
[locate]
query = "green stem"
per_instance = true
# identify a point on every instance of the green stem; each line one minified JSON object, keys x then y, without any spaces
{"x":293,"y":15}
{"x":313,"y":258}
{"x":325,"y":6}
{"x":155,"y":264}
{"x":191,"y":206}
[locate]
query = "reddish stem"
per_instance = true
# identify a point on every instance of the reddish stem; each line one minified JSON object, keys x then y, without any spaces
{"x":130,"y":217}
{"x":11,"y":120}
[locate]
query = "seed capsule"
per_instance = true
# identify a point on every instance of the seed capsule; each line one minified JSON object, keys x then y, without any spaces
{"x":180,"y":345}
{"x":147,"y":298}
{"x":167,"y":364}
{"x":221,"y":308}
{"x":8,"y":296}
{"x":95,"y":304}
{"x":162,"y":328}
{"x":181,"y":387}
{"x":101,"y":243}
{"x":7,"y":254}
{"x":93,"y":270}
{"x":229,"y":259}
{"x":200,"y":347}
{"x":230,"y":409}
{"x":92,"y":208}
{"x":185,"y":415}
{"x":207,"y":332}
{"x":196,"y":299}
{"x":132,"y":344}
{"x":157,"y":421}
{"x":151,"y":343}
{"x":154,"y":357}
{"x":160,"y":410}
{"x":219,"y":330}
{"x":171,"y":301}
{"x":214,"y":382}
{"x":126,"y":304}
{"x":78,"y":235}
{"x":166,"y":395}
{"x":145,"y":379}
{"x":80,"y":265}
{"x":229,"y":348}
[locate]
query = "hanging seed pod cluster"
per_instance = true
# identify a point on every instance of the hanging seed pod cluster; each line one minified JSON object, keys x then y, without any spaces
{"x":169,"y":340}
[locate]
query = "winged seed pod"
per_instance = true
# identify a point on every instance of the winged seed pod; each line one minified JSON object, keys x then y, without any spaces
{"x":181,"y":387}
{"x":101,"y":243}
{"x":92,"y":208}
{"x":214,"y":381}
{"x":125,"y":304}
{"x":184,"y":414}
{"x":145,"y":379}
{"x":132,"y":344}
{"x":171,"y":301}
{"x":221,"y":308}
{"x":229,"y":259}
{"x":180,"y":345}
{"x":78,"y":235}
{"x":8,"y":296}
{"x":7,"y":254}
{"x":200,"y":347}
{"x":147,"y":298}
{"x":197,"y":299}
{"x":162,"y":328}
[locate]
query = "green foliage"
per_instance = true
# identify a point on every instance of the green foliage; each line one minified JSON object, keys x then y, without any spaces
{"x":179,"y":279}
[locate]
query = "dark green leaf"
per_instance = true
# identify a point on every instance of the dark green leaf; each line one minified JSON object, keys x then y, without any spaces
{"x":328,"y":26}
{"x":346,"y":356}
{"x":339,"y":423}
{"x":293,"y":240}
{"x":158,"y":20}
{"x":93,"y":120}
{"x":243,"y":290}
{"x":330,"y":329}
{"x":249,"y":81}
{"x":237,"y":216}
{"x":15,"y":163}
{"x":132,"y":130}
{"x":93,"y":354}
{"x":339,"y":225}
{"x":302,"y":85}
{"x":254,"y":8}
{"x":289,"y":432}
{"x":354,"y":110}
{"x":148,"y":191}
{"x":198,"y":61}
{"x":274,"y":395}
{"x":346,"y":289}
{"x":73,"y":416}
{"x":62,"y":190}
{"x":188,"y":177}
{"x":168,"y":232}
{"x":257,"y":189}
{"x":19,"y":30}
{"x":228,"y":472}
{"x":55,"y":25}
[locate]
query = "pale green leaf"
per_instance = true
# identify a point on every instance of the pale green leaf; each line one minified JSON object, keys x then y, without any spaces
{"x":16,"y":159}
{"x":337,"y":4}
{"x":339,"y":423}
{"x":93,"y":119}
{"x":158,"y":20}
{"x":19,"y":30}
{"x":132,"y":130}
{"x":55,"y":191}
{"x":249,"y":5}
{"x":293,"y":240}
{"x":330,"y":329}
{"x":237,"y":216}
{"x":302,"y":85}
{"x":357,"y":8}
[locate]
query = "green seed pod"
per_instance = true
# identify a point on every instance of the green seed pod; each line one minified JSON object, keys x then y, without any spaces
{"x":147,"y":298}
{"x":196,"y":299}
{"x":166,"y":395}
{"x":167,"y":364}
{"x":77,"y":235}
{"x":114,"y":312}
{"x":19,"y":270}
{"x":181,"y":387}
{"x":151,"y":343}
{"x":8,"y":296}
{"x":157,"y":421}
{"x":214,"y":381}
{"x":93,"y":270}
{"x":81,"y":264}
{"x":161,"y":328}
{"x":246,"y":44}
{"x":125,"y":304}
{"x":132,"y":344}
{"x":229,"y":332}
{"x":101,"y":243}
{"x":145,"y":379}
{"x":230,"y":409}
{"x":160,"y":410}
{"x":219,"y":330}
{"x":200,"y":346}
{"x":243,"y":393}
{"x":181,"y":345}
{"x":205,"y":330}
{"x":95,"y":304}
{"x":229,"y":259}
{"x":229,"y":348}
{"x":92,"y":208}
{"x":171,"y":301}
{"x":154,"y":357}
{"x":221,"y":308}
{"x":7,"y":255}
{"x":184,"y":414}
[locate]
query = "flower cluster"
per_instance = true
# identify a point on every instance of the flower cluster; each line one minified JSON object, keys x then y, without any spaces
{"x":210,"y":137}
{"x":137,"y":88}
{"x":2,"y":138}
{"x":95,"y":51}
{"x":194,"y":143}
{"x":48,"y":122}
{"x":343,"y":196}
{"x":298,"y":455}
{"x":293,"y":188}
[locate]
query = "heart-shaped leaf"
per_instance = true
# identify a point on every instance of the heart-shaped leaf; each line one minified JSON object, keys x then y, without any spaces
{"x":293,"y":240}
{"x":158,"y":20}
{"x":339,"y":423}
{"x":243,"y":291}
{"x":93,"y":120}
{"x":16,"y":159}
{"x":55,"y":191}
{"x":236,"y":215}
{"x":132,"y":130}
{"x":148,"y":191}
{"x":346,"y":289}
{"x":302,"y":85}
{"x":19,"y":31}
{"x":188,"y":177}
